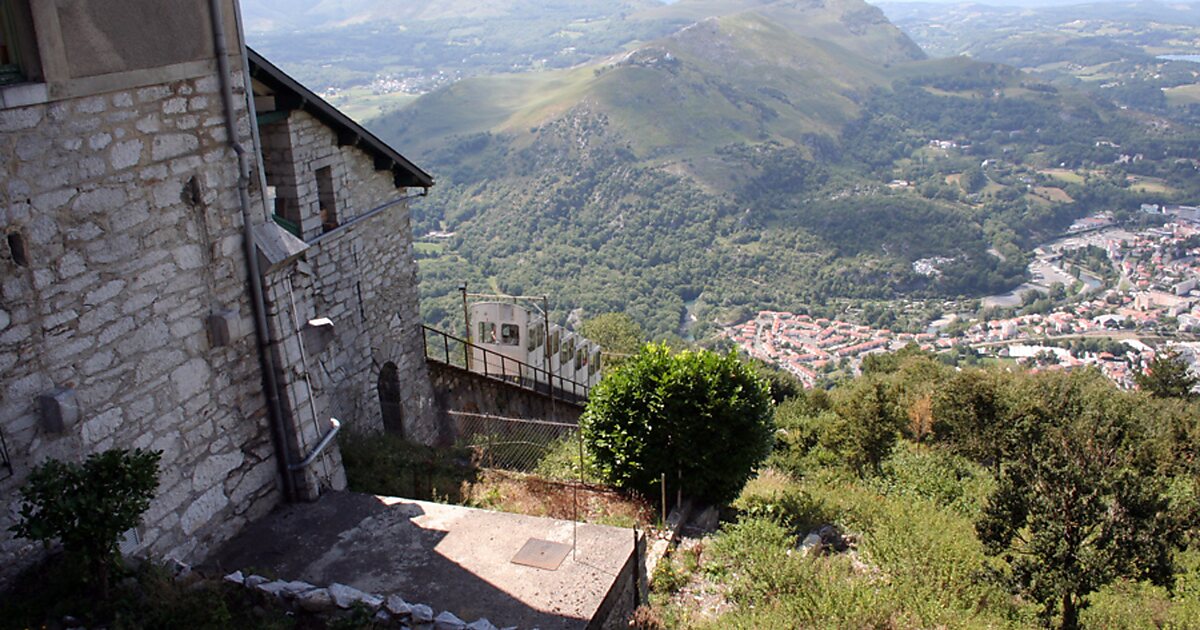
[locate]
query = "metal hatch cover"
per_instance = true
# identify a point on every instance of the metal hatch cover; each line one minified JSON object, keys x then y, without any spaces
{"x":542,"y":554}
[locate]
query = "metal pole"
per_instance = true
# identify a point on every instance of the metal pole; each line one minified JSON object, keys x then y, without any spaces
{"x":466,"y":322}
{"x":663,"y":508}
{"x":546,"y":324}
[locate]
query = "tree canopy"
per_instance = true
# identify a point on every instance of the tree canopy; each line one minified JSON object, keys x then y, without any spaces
{"x":1077,"y":504}
{"x":1168,"y":376}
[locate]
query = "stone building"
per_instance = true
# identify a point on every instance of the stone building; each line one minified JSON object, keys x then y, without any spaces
{"x":138,"y":164}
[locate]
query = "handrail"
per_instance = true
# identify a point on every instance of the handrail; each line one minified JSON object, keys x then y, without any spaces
{"x":543,"y":380}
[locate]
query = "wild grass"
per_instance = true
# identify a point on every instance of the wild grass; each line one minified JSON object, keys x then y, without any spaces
{"x":915,"y":561}
{"x":388,"y":465}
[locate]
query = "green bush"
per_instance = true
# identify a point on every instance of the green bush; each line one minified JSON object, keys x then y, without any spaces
{"x":767,"y":498}
{"x":88,"y":507}
{"x":947,"y":480}
{"x":700,"y":418}
{"x":799,"y":427}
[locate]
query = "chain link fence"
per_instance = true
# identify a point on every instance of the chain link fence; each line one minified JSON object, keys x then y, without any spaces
{"x":548,"y":449}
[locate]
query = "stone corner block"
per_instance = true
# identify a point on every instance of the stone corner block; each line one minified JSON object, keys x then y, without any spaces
{"x":59,"y":409}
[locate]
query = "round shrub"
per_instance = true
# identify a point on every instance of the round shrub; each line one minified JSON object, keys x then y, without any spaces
{"x":701,"y":418}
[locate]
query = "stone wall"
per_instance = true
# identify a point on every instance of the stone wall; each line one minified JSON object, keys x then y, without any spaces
{"x":122,"y":236}
{"x":629,"y":590}
{"x":125,"y":205}
{"x":456,"y":389}
{"x":361,"y":276}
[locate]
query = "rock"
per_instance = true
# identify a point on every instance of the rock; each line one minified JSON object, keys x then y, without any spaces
{"x":254,"y":580}
{"x":481,"y":624}
{"x":296,"y":588}
{"x":398,"y":607}
{"x":179,"y":570}
{"x":448,"y":621}
{"x":371,"y":600}
{"x":274,"y":589}
{"x":422,"y":613}
{"x":235,"y":578}
{"x":382,"y":617}
{"x":831,"y":538}
{"x":346,"y":596}
{"x":810,"y":544}
{"x":316,"y":600}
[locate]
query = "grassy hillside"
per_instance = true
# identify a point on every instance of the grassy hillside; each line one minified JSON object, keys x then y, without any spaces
{"x":738,"y":164}
{"x":857,"y":26}
{"x":724,"y":80}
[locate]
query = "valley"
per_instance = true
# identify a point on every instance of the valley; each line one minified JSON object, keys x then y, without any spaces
{"x":702,"y":161}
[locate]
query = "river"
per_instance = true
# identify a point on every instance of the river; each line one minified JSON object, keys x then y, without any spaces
{"x":1191,"y":58}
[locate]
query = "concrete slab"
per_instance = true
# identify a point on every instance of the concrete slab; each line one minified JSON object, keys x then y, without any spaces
{"x":449,"y":557}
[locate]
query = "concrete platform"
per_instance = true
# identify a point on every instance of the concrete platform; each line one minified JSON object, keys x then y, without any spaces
{"x":449,"y":557}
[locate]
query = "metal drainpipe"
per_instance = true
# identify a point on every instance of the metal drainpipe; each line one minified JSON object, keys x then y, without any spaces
{"x":258,"y":303}
{"x":254,"y":133}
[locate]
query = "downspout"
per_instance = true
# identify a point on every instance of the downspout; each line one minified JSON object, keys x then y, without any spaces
{"x":258,"y":303}
{"x":254,"y":133}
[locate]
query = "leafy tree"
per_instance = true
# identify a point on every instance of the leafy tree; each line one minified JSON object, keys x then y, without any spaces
{"x":783,"y":384}
{"x":890,"y":362}
{"x":973,"y":179}
{"x":968,"y":411}
{"x":700,"y":418}
{"x":868,"y":424}
{"x":1167,"y":376}
{"x":616,"y":333}
{"x":88,"y":507}
{"x":1077,"y":504}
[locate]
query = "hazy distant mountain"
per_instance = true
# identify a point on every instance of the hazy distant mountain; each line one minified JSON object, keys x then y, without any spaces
{"x":1112,"y":49}
{"x":293,"y":15}
{"x":739,"y":78}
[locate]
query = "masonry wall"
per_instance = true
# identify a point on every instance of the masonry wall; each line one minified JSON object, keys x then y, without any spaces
{"x":126,"y":203}
{"x":361,"y":276}
{"x":456,"y":389}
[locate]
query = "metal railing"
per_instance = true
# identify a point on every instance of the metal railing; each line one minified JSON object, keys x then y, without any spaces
{"x":450,"y":350}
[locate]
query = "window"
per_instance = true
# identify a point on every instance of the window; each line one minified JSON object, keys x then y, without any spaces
{"x":536,"y":337}
{"x":567,"y":351}
{"x":327,"y":199}
{"x":18,"y":49}
{"x":580,"y":359}
{"x":594,"y":366}
{"x":287,"y":216}
{"x":554,"y":342}
{"x":510,"y":334}
{"x":487,"y":332}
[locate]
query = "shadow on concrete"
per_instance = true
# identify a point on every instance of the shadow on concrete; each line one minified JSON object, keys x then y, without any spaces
{"x":449,"y":557}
